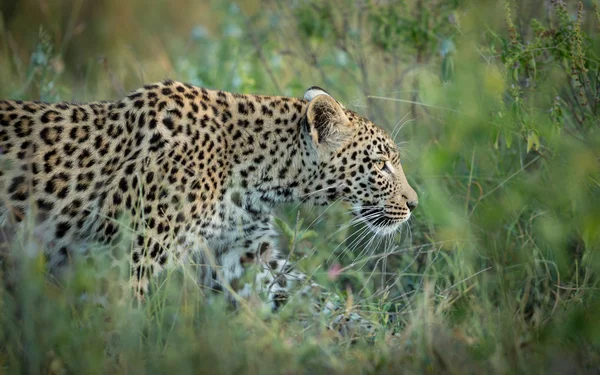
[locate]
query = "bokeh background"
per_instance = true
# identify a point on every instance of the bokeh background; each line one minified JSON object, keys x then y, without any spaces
{"x":495,"y":107}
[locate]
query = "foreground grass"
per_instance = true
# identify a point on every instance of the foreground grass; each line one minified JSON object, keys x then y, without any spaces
{"x":49,"y":326}
{"x":497,"y":117}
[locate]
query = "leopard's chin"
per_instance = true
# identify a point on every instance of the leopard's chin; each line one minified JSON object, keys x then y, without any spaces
{"x":376,"y":219}
{"x":387,"y":229}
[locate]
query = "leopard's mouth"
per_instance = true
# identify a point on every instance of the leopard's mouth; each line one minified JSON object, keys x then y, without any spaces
{"x":379,"y":220}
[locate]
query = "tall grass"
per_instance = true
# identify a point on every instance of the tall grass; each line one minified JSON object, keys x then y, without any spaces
{"x":495,"y":108}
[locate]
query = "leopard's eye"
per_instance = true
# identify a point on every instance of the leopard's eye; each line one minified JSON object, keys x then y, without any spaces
{"x":382,"y":165}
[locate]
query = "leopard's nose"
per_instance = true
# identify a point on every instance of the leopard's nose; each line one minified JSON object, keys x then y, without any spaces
{"x":412,"y":205}
{"x":411,"y":197}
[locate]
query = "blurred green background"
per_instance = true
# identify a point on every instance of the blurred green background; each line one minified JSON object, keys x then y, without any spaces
{"x":495,"y":107}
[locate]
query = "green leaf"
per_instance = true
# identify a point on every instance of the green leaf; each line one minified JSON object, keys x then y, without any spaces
{"x":508,"y":137}
{"x":448,"y":68}
{"x":533,"y":141}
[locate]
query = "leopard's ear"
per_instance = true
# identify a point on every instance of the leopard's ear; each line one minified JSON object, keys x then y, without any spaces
{"x":314,"y":91}
{"x":327,"y":122}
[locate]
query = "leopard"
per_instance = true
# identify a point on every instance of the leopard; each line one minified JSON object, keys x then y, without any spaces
{"x":199,"y":172}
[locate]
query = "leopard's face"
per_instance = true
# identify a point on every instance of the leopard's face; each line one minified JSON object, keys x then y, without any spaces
{"x":379,"y":192}
{"x":373,"y":180}
{"x":361,"y":166}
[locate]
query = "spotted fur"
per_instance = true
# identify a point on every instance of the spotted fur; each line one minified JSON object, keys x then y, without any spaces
{"x":198,"y":172}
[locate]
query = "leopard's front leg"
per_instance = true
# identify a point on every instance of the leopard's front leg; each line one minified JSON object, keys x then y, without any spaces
{"x":278,"y":281}
{"x":253,"y":267}
{"x":275,"y":278}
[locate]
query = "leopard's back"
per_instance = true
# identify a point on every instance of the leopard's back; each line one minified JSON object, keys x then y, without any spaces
{"x":51,"y":158}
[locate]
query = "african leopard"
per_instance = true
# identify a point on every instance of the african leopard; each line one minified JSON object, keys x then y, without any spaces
{"x":199,"y":172}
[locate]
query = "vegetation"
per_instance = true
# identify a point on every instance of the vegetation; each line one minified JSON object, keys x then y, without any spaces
{"x":495,"y":106}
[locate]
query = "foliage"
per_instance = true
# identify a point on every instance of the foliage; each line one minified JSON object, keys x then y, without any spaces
{"x":496,"y":105}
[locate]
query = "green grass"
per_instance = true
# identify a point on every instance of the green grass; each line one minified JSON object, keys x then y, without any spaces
{"x":495,"y":108}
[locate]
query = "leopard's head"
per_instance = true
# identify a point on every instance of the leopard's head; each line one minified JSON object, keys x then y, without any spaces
{"x":358,"y":162}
